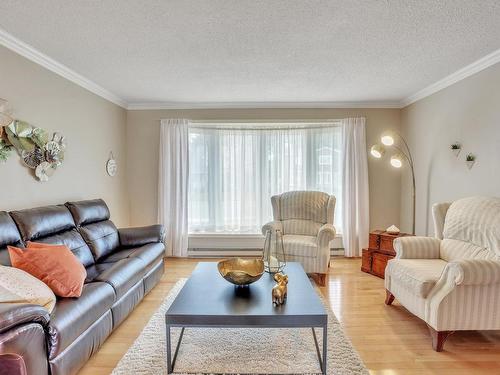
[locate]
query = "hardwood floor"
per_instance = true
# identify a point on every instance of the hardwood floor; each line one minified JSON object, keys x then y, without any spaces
{"x":389,"y":339}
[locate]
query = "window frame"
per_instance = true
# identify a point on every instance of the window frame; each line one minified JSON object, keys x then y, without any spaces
{"x":224,"y":240}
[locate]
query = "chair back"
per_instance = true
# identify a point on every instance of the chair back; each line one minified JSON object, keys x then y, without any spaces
{"x":303,"y":212}
{"x":471,"y":229}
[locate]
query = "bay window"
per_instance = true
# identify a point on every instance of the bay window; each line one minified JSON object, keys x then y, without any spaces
{"x":234,"y":169}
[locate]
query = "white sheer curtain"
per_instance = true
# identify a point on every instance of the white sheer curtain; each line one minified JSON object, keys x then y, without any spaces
{"x":355,"y":187}
{"x":235,"y":169}
{"x":173,"y":185}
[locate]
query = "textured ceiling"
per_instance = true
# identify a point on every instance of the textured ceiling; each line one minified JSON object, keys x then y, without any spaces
{"x":258,"y":51}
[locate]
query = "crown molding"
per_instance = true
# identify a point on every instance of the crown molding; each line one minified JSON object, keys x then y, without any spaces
{"x":258,"y":105}
{"x":31,"y":53}
{"x":471,"y":69}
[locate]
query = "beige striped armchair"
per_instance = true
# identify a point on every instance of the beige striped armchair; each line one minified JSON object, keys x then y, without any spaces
{"x":306,"y":220}
{"x":452,"y":281}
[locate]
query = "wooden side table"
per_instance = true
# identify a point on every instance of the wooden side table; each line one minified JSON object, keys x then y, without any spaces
{"x":380,"y":251}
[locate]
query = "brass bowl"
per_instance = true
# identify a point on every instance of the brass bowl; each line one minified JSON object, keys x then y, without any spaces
{"x":240,"y":271}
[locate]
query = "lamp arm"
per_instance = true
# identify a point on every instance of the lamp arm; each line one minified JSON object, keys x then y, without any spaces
{"x":409,"y":156}
{"x":409,"y":159}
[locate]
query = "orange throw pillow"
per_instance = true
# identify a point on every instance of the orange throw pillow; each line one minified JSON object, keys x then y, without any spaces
{"x":55,"y":265}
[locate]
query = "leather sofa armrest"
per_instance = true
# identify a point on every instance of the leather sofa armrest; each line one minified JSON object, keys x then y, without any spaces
{"x":272,"y":225}
{"x":417,"y":247}
{"x":14,"y":314}
{"x":139,"y":236}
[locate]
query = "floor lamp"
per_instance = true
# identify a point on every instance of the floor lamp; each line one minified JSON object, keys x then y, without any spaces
{"x":402,"y":152}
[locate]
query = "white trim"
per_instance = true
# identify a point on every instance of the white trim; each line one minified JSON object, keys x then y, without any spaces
{"x":24,"y":49}
{"x":260,"y":105}
{"x":471,"y":69}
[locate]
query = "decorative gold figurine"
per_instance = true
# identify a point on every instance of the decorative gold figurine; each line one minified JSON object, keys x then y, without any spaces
{"x":280,"y":290}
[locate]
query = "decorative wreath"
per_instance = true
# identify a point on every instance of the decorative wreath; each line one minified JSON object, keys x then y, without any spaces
{"x":38,"y":151}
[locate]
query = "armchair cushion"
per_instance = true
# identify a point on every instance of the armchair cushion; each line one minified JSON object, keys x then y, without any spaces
{"x":14,"y":314}
{"x":134,"y":237}
{"x":301,"y":246}
{"x":301,"y":227}
{"x":418,"y":276}
{"x":456,"y":250}
{"x":417,"y":248}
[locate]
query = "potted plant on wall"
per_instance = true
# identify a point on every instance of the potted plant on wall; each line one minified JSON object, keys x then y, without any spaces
{"x":456,"y":148}
{"x":470,"y":159}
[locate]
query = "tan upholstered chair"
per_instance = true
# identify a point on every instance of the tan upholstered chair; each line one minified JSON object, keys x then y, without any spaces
{"x":452,"y":281}
{"x":306,"y":221}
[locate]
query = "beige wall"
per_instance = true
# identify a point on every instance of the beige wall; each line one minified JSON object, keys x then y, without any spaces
{"x":93,"y":127}
{"x":143,"y":131}
{"x":468,"y":112}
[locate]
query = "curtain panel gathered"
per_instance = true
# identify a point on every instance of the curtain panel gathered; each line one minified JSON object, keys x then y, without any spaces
{"x":355,"y":199}
{"x":173,"y":185}
{"x":220,"y":179}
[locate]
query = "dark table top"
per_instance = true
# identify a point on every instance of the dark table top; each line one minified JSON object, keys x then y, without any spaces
{"x":208,"y":300}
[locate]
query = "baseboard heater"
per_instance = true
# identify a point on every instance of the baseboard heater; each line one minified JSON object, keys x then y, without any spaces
{"x":222,"y":253}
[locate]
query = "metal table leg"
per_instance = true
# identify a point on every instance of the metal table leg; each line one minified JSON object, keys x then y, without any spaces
{"x":325,"y":347}
{"x":322,"y":361}
{"x":170,"y":360}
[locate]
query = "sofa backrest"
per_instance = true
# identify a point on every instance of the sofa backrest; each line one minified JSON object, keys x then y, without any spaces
{"x":92,"y":219}
{"x":476,"y":222}
{"x":303,"y":212}
{"x":52,"y":225}
{"x":9,"y":235}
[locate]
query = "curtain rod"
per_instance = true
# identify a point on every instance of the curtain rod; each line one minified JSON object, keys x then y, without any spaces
{"x":264,"y":125}
{"x":257,"y":121}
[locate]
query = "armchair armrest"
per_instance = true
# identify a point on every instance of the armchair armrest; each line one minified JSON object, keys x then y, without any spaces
{"x":272,"y":225}
{"x":473,"y":272}
{"x":417,"y":247}
{"x":14,"y":314}
{"x":325,"y":234}
{"x":141,"y":235}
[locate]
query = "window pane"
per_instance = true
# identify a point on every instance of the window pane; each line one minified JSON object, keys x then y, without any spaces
{"x":235,"y":171}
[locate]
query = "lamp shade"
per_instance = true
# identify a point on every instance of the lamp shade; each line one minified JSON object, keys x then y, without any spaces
{"x":377,"y":151}
{"x":387,"y":139}
{"x":396,"y":161}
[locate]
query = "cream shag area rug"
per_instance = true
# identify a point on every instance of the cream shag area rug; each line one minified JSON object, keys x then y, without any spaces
{"x":238,"y":351}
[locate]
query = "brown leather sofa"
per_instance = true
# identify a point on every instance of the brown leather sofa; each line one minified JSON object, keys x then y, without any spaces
{"x":122,"y":266}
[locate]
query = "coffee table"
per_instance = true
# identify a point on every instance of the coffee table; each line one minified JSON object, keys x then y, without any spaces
{"x":207,"y":300}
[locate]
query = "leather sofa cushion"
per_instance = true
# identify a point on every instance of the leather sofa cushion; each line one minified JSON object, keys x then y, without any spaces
{"x":123,"y":275}
{"x":53,"y":225}
{"x":95,"y":270}
{"x":74,"y":241}
{"x":42,"y":221}
{"x":89,"y":211}
{"x":150,"y":254}
{"x":72,"y":316}
{"x":9,"y":235}
{"x":101,"y":237}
